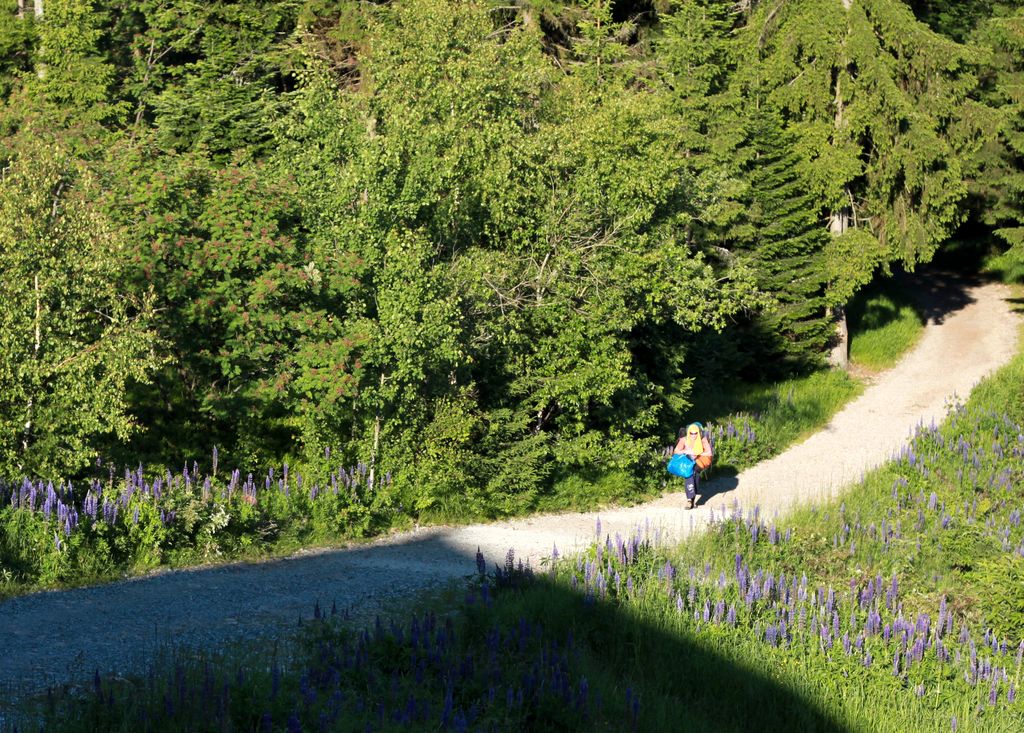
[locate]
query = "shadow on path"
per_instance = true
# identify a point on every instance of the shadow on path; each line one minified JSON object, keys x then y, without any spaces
{"x":937,"y":294}
{"x":714,"y":486}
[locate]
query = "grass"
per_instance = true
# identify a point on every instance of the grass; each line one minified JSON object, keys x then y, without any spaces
{"x":884,"y":325}
{"x":773,"y":416}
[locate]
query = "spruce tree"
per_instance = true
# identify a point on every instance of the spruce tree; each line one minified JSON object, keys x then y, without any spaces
{"x":873,"y":96}
{"x":999,"y":181}
{"x":786,"y":245}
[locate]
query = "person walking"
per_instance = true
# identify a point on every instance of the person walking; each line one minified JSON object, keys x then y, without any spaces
{"x":693,"y":443}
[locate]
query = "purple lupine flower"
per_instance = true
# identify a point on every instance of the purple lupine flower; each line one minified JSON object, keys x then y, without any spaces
{"x":730,"y":618}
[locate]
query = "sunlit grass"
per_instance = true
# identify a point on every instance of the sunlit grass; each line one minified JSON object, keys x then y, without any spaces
{"x":884,"y":325}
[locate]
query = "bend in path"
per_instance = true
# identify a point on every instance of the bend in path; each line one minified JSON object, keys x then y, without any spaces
{"x":54,"y":637}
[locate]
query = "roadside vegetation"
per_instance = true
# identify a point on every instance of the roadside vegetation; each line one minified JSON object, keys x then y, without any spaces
{"x":896,"y":607}
{"x":884,"y":325}
{"x":329,"y":235}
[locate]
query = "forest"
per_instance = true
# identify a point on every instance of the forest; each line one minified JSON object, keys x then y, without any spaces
{"x":467,"y":248}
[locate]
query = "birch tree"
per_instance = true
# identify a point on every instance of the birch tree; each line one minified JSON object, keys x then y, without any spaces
{"x":70,"y":340}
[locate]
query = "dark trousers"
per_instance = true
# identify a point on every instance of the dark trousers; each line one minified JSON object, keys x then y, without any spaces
{"x":691,"y":485}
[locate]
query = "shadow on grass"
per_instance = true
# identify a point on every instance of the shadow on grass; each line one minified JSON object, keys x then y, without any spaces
{"x":681,"y":682}
{"x":534,"y":655}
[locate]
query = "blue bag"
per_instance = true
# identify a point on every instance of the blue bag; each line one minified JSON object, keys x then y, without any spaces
{"x":681,"y":465}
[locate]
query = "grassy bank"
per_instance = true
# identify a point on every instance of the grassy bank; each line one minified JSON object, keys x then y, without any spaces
{"x":884,"y":324}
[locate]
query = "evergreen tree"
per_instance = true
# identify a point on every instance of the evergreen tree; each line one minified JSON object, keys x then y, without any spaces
{"x":873,"y":96}
{"x":999,"y":180}
{"x":207,"y":76}
{"x":786,"y":247}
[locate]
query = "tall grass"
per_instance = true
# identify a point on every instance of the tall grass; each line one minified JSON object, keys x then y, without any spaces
{"x":773,"y":416}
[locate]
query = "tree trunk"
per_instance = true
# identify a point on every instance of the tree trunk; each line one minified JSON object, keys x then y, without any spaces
{"x":376,"y":443}
{"x":30,"y":404}
{"x":839,"y":356}
{"x":838,"y":223}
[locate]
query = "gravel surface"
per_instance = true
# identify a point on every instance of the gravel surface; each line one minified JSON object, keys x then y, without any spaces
{"x":63,"y":636}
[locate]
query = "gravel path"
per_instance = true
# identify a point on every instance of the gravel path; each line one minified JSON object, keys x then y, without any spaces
{"x":57,"y":637}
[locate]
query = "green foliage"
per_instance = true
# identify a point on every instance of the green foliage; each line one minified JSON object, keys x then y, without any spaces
{"x":355,"y":235}
{"x":111,"y":527}
{"x":17,"y":38}
{"x":71,"y":339}
{"x":999,"y":185}
{"x":789,"y":249}
{"x":508,"y":271}
{"x":873,"y":97}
